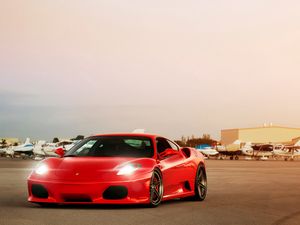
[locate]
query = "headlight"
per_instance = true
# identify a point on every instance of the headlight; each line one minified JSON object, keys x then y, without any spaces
{"x":128,"y":169}
{"x":42,"y":169}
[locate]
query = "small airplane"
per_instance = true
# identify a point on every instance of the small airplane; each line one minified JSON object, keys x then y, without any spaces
{"x":43,"y":149}
{"x":23,"y":150}
{"x":207,"y":150}
{"x":231,"y":150}
{"x":289,"y":152}
{"x":258,"y":151}
{"x":38,"y":150}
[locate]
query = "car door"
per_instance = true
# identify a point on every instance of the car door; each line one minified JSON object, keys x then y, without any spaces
{"x":172,"y":166}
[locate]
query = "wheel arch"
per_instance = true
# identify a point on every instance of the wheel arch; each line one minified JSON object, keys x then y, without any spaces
{"x":159,"y":170}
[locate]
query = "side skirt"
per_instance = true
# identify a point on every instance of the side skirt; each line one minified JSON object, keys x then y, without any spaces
{"x":178,"y":195}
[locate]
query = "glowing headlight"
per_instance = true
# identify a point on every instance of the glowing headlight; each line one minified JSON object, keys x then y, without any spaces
{"x":42,"y":169}
{"x":128,"y":169}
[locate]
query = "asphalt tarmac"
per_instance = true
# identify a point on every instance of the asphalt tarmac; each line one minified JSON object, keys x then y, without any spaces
{"x":239,"y":192}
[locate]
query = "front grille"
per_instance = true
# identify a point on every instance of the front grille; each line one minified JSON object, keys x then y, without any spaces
{"x":39,"y":191}
{"x":115,"y":192}
{"x":76,"y":198}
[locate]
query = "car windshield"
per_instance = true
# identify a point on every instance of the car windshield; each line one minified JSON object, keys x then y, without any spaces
{"x":113,"y":146}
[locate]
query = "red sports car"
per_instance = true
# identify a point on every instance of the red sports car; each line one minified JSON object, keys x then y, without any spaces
{"x":119,"y":169}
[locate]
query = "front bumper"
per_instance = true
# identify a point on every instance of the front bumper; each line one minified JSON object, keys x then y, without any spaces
{"x":90,"y":192}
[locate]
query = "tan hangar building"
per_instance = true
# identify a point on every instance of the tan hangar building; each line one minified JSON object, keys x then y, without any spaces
{"x":265,"y":134}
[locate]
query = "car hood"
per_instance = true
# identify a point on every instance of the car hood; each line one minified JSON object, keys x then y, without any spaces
{"x":94,"y":168}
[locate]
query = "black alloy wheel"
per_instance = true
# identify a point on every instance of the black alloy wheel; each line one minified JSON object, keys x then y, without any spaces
{"x":200,"y":184}
{"x":156,"y":189}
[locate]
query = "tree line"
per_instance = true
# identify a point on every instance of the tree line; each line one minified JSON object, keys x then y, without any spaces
{"x":194,"y":141}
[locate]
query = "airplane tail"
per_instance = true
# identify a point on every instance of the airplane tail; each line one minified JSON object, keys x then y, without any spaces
{"x":248,"y":144}
{"x":27,"y":141}
{"x":40,"y":143}
{"x":38,"y":148}
{"x":247,"y":149}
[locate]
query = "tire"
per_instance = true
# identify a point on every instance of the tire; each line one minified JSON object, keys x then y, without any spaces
{"x":200,"y":184}
{"x":156,"y":189}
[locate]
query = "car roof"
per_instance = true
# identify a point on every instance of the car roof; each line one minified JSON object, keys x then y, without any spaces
{"x":129,"y":134}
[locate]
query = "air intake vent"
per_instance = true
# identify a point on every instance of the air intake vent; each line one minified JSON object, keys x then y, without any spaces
{"x":39,"y":191}
{"x":115,"y":192}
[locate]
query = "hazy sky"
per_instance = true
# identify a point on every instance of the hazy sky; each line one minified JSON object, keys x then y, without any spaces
{"x":171,"y":67}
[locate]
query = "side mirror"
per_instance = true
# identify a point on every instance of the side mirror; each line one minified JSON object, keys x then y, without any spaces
{"x":167,"y":152}
{"x":60,"y":152}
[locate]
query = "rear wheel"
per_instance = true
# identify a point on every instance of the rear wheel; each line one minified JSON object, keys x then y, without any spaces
{"x":156,"y":189}
{"x":200,"y":184}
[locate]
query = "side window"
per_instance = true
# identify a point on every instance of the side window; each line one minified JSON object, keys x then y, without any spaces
{"x":173,"y":146}
{"x":162,"y":144}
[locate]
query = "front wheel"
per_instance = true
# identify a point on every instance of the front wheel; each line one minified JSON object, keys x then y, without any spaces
{"x":156,"y":189}
{"x":200,"y":184}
